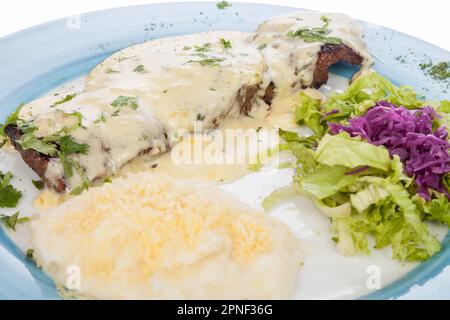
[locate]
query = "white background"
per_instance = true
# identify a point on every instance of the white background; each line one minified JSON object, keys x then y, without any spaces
{"x":426,"y":19}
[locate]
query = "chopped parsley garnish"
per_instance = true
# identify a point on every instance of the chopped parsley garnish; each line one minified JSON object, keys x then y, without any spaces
{"x":208,"y":61}
{"x":200,"y":117}
{"x":9,"y":196}
{"x":223,"y":4}
{"x":185,"y":48}
{"x":68,"y":145}
{"x":206,"y":47}
{"x":124,"y":58}
{"x":109,"y":70}
{"x":65,"y":99}
{"x":30,"y":141}
{"x":115,"y":113}
{"x":439,"y":71}
{"x":262,"y":46}
{"x":38,"y":184}
{"x":226,"y":43}
{"x":107,"y":180}
{"x":124,"y":101}
{"x":12,"y":221}
{"x":29,"y":254}
{"x":11,"y":120}
{"x":78,"y":190}
{"x":316,"y":34}
{"x":100,"y":119}
{"x":140,"y":69}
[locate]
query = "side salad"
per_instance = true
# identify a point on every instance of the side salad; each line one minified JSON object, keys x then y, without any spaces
{"x":377,"y":165}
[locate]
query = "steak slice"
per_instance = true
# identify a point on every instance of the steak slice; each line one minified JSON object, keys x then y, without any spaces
{"x":36,"y":161}
{"x":329,"y":55}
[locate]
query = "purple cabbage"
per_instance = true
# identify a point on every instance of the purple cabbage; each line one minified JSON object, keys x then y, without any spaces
{"x":410,"y":135}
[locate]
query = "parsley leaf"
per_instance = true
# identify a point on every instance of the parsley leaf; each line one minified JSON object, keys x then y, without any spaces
{"x":223,"y":4}
{"x":109,"y":70}
{"x":68,"y":145}
{"x":140,"y":69}
{"x":262,"y":46}
{"x":11,"y":221}
{"x":123,"y":101}
{"x":208,"y":61}
{"x":226,"y":43}
{"x":38,"y":184}
{"x":30,"y":141}
{"x":65,"y":99}
{"x":317,"y":34}
{"x":12,"y":119}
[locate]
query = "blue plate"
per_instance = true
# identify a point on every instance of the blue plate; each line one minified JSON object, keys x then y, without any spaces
{"x":37,"y":59}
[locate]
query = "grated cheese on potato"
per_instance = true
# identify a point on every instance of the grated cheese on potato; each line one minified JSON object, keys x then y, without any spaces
{"x":149,"y":236}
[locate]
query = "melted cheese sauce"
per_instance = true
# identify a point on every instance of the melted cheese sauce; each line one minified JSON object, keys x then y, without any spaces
{"x":138,"y":99}
{"x":291,"y":60}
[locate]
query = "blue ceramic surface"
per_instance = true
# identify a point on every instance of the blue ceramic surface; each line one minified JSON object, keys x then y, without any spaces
{"x":37,"y":59}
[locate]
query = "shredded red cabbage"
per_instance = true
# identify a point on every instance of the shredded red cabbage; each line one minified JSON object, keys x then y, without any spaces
{"x":410,"y":135}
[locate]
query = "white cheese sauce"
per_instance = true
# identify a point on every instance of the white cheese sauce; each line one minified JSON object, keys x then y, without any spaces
{"x":139,"y":98}
{"x":291,"y":60}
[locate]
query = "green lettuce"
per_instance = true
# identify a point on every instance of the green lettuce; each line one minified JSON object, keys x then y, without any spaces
{"x":309,"y":113}
{"x":364,"y":92}
{"x":343,"y":150}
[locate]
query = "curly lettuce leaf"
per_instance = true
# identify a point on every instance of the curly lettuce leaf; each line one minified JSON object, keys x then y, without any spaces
{"x":363,"y":93}
{"x":309,"y":113}
{"x":343,"y":150}
{"x":325,"y":181}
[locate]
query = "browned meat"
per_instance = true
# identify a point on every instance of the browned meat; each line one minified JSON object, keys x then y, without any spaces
{"x":331,"y":54}
{"x":36,"y":161}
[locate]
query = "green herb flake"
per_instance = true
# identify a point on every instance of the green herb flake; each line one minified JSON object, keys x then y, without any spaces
{"x":223,"y":5}
{"x":29,"y":254}
{"x":124,"y":101}
{"x":205,"y":48}
{"x":38,"y":184}
{"x":140,"y":69}
{"x":68,"y":145}
{"x":109,"y":70}
{"x":11,"y":120}
{"x":30,"y":141}
{"x":208,"y":61}
{"x":12,"y":221}
{"x":9,"y":196}
{"x":78,"y":190}
{"x":317,"y":34}
{"x":439,"y":71}
{"x":65,"y":99}
{"x":200,"y":117}
{"x":262,"y":46}
{"x":100,"y":119}
{"x":226,"y":43}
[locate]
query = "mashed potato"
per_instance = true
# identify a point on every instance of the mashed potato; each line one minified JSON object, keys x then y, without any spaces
{"x":149,"y":236}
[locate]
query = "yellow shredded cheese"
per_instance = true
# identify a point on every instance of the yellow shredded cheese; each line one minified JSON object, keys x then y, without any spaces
{"x":149,"y":236}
